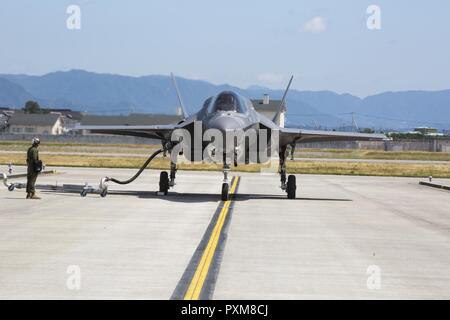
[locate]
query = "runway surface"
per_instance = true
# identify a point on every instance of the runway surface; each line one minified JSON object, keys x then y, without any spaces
{"x":135,"y":244}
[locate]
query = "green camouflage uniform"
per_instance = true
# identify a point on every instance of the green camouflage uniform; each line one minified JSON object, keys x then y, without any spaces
{"x":32,"y":158}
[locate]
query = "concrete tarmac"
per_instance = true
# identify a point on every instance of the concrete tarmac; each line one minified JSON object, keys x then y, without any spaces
{"x":136,"y":245}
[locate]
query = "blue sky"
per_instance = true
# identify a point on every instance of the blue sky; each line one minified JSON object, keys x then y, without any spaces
{"x":325,"y":44}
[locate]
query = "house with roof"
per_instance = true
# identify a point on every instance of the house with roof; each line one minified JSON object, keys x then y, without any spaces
{"x":133,"y":119}
{"x":70,"y":118}
{"x":37,"y":124}
{"x":269,"y":107}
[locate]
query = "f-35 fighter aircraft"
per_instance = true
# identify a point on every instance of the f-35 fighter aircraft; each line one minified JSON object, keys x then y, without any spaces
{"x":229,"y":118}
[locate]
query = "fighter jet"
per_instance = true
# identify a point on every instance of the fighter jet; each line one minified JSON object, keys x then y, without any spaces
{"x":228,"y":112}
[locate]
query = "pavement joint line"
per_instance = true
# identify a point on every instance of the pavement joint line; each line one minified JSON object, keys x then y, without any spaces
{"x":23,"y":175}
{"x":198,"y":280}
{"x":434,"y":185}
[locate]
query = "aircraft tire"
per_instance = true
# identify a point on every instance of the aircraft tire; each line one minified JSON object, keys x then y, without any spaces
{"x":225,"y":188}
{"x":291,"y":187}
{"x":164,"y":182}
{"x":104,"y":193}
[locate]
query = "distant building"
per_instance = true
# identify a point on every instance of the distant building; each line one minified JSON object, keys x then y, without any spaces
{"x":38,"y":124}
{"x":6,"y":111}
{"x":133,"y":119}
{"x":67,"y":113}
{"x":426,"y":130}
{"x":70,"y":118}
{"x":269,"y":108}
{"x":3,"y":121}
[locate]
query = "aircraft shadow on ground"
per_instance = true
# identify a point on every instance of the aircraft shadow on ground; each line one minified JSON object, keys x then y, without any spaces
{"x":212,"y":197}
{"x":198,"y":197}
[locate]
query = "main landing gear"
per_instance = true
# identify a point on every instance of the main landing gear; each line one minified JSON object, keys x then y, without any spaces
{"x":164,"y":182}
{"x":291,"y":185}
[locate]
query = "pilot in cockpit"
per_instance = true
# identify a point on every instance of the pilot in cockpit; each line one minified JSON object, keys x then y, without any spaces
{"x":226,"y":102}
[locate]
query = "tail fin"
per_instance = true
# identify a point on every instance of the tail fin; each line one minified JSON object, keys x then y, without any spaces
{"x":183,"y":109}
{"x":280,"y":108}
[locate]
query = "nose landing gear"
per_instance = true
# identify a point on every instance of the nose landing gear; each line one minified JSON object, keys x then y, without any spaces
{"x":225,"y":191}
{"x":225,"y":184}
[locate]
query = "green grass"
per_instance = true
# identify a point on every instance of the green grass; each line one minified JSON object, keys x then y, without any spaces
{"x":78,"y":147}
{"x":372,"y":154}
{"x":301,"y":153}
{"x":94,"y":155}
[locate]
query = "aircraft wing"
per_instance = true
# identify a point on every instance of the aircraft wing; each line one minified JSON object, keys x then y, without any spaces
{"x":293,"y":135}
{"x":146,"y":131}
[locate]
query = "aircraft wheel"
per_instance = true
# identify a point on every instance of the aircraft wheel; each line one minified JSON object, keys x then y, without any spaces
{"x":11,"y":187}
{"x":164,"y":182}
{"x":83,"y":193}
{"x":291,"y":187}
{"x":225,"y":188}
{"x":104,"y":193}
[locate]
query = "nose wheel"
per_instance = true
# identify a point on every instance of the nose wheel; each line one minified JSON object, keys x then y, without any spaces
{"x":225,"y":190}
{"x":225,"y":184}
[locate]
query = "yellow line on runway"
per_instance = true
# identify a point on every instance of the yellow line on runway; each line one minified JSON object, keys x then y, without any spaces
{"x":196,"y":285}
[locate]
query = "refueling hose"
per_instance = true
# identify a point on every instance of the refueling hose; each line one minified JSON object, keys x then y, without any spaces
{"x":138,"y":173}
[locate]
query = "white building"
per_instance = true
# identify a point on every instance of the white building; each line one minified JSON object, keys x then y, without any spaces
{"x":38,"y":124}
{"x":269,"y":108}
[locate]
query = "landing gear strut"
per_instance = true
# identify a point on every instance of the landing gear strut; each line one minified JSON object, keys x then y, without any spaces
{"x":165,"y":181}
{"x":282,"y":157}
{"x":291,"y":186}
{"x":173,"y":171}
{"x":225,"y":184}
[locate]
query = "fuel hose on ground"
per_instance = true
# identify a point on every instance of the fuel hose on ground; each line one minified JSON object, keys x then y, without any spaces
{"x":137,"y":173}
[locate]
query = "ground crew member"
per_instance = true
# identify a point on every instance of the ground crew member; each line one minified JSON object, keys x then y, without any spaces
{"x":34,"y":166}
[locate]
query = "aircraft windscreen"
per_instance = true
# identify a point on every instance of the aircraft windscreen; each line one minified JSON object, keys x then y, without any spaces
{"x":228,"y":101}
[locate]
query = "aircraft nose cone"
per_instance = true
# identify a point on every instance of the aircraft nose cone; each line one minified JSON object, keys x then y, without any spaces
{"x":226,"y":123}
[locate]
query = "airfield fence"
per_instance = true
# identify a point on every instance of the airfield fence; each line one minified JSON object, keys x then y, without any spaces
{"x":94,"y":139}
{"x":428,"y":144}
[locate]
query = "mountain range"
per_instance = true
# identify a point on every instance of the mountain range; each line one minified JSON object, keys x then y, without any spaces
{"x":116,"y":94}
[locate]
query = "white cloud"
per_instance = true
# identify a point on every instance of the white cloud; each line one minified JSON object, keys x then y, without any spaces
{"x":271,"y":78}
{"x":315,"y":25}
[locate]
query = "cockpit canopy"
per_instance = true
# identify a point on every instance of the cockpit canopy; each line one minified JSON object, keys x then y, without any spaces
{"x":228,"y":101}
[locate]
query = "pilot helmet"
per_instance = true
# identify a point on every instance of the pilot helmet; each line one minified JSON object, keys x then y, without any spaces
{"x":36,"y":141}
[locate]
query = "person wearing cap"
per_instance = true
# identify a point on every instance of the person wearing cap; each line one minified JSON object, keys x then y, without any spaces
{"x":33,"y":168}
